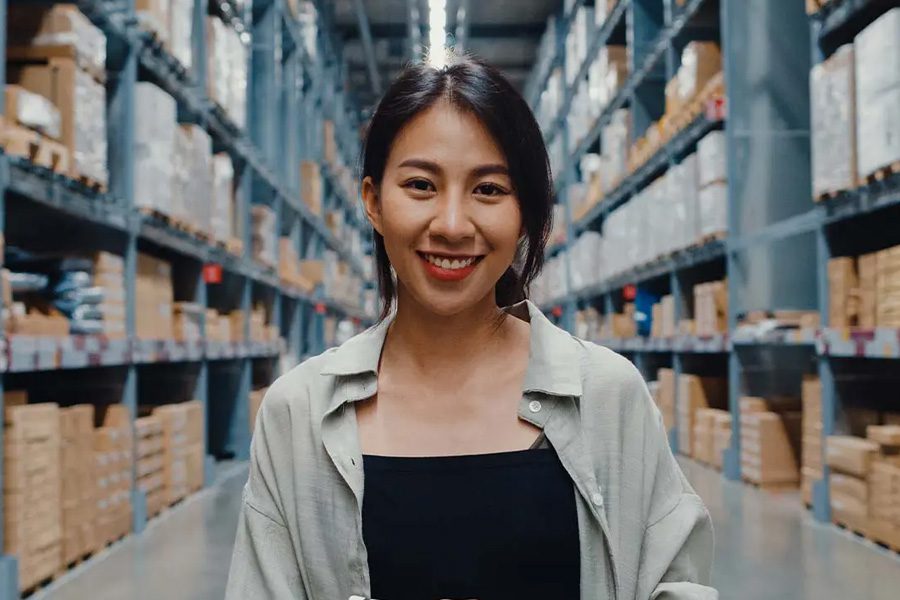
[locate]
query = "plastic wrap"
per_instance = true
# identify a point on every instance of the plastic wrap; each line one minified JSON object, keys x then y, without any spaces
{"x":700,"y":61}
{"x":89,"y":153}
{"x":265,"y":240}
{"x":153,"y":15}
{"x":182,"y":169}
{"x":689,"y":181}
{"x":712,"y":158}
{"x":833,"y":122}
{"x":713,"y":209}
{"x":614,"y":145}
{"x":878,"y":93}
{"x":154,"y":165}
{"x":222,"y":196}
{"x":59,"y":25}
{"x":197,"y":203}
{"x":33,"y":110}
{"x":227,"y":65}
{"x":181,"y":24}
{"x":27,"y":282}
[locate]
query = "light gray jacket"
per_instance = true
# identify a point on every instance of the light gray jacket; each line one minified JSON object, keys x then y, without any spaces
{"x":644,"y":533}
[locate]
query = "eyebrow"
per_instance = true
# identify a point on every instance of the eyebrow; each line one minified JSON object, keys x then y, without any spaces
{"x":432,"y":167}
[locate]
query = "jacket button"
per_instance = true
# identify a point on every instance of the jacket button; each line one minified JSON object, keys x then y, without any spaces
{"x":534,"y":406}
{"x":597,"y":499}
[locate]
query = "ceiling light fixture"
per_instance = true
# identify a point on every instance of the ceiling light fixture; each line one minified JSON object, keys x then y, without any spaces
{"x":437,"y":33}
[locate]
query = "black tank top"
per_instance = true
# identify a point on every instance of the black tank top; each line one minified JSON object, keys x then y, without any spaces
{"x":487,"y":526}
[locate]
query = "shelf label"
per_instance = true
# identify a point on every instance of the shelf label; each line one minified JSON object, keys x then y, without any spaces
{"x":212,"y":273}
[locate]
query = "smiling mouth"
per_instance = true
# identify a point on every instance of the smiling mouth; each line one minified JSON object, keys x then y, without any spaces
{"x":450,"y":263}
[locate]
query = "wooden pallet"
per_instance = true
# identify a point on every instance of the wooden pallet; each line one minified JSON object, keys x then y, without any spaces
{"x":775,"y":488}
{"x":36,"y":587}
{"x":31,"y":145}
{"x":90,"y":183}
{"x":828,"y":195}
{"x":45,"y":53}
{"x":881,"y":173}
{"x":709,"y":238}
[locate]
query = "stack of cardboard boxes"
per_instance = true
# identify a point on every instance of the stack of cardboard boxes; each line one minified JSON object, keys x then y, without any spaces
{"x":109,"y":276}
{"x":711,"y":435}
{"x":155,"y":299}
{"x":289,"y":266}
{"x":56,"y":52}
{"x":663,"y":321}
{"x":79,"y":494}
{"x":224,"y":326}
{"x":311,"y":186}
{"x":850,"y":459}
{"x":864,"y":291}
{"x":113,"y":455}
{"x":227,"y":60}
{"x":711,"y":308}
{"x":260,"y":329}
{"x":712,"y":199}
{"x":32,"y":488}
{"x":770,"y":436}
{"x":878,"y":94}
{"x":833,"y":128}
{"x":149,"y":451}
{"x":888,"y":285}
{"x":811,"y":450}
{"x":884,"y":484}
{"x":619,"y":325}
{"x":666,"y":396}
{"x":182,"y":433}
{"x":696,"y":393}
{"x":191,"y":156}
{"x":187,"y":321}
{"x":264,"y":238}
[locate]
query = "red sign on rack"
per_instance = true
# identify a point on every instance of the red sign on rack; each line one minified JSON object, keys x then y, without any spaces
{"x":212,"y":273}
{"x":320,"y":308}
{"x":629,"y":292}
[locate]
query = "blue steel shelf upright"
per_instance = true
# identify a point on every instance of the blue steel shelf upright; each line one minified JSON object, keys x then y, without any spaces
{"x":770,"y":213}
{"x":290,"y":92}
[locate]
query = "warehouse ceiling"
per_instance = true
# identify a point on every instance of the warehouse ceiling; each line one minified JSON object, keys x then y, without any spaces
{"x":506,"y":33}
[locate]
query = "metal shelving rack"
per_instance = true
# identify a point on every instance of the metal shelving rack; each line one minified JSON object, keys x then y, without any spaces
{"x":290,"y":93}
{"x":778,"y":241}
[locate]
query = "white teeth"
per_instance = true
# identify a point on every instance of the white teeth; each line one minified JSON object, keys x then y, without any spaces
{"x":446,"y":263}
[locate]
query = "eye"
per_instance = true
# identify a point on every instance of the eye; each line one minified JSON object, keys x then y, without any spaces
{"x":490,"y":189}
{"x":419,"y":185}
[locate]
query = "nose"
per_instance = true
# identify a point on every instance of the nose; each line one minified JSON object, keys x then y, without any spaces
{"x":452,"y":220}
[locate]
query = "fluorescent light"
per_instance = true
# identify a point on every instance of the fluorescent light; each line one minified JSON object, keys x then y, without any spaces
{"x":437,"y":33}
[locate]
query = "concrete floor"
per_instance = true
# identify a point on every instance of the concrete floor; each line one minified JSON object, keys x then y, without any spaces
{"x":768,"y":547}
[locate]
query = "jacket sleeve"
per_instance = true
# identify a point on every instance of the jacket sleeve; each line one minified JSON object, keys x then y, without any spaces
{"x":264,"y":563}
{"x":677,"y":550}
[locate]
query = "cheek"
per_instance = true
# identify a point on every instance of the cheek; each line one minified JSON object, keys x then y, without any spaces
{"x":502,"y":228}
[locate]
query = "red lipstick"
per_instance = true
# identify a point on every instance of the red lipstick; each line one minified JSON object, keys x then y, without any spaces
{"x":442,"y":274}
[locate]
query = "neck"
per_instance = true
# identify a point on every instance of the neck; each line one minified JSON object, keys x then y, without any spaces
{"x":434,"y":343}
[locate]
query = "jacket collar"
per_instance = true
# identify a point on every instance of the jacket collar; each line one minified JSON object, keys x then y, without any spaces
{"x":553,"y":364}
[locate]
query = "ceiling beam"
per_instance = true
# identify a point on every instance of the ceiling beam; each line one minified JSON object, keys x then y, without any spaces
{"x":462,"y":26}
{"x":475,"y":30}
{"x":365,"y":35}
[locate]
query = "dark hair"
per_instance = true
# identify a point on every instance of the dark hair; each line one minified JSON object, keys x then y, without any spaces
{"x":479,"y":89}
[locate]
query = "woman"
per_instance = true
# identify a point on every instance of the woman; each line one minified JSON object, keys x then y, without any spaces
{"x":500,"y":457}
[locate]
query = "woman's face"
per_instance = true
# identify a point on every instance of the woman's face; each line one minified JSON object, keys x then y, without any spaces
{"x":447,"y":210}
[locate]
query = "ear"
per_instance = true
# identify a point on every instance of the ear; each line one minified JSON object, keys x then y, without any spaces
{"x":371,"y":204}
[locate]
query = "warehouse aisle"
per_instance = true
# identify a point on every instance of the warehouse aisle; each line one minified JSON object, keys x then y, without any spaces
{"x":183,"y":556}
{"x":767,"y":547}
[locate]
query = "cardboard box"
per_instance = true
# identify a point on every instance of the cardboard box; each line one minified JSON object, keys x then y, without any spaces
{"x":886,"y":435}
{"x":833,"y":123}
{"x":842,"y":281}
{"x":850,"y":455}
{"x":666,"y":379}
{"x":700,"y":62}
{"x":81,"y":101}
{"x":867,"y":266}
{"x":311,"y":186}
